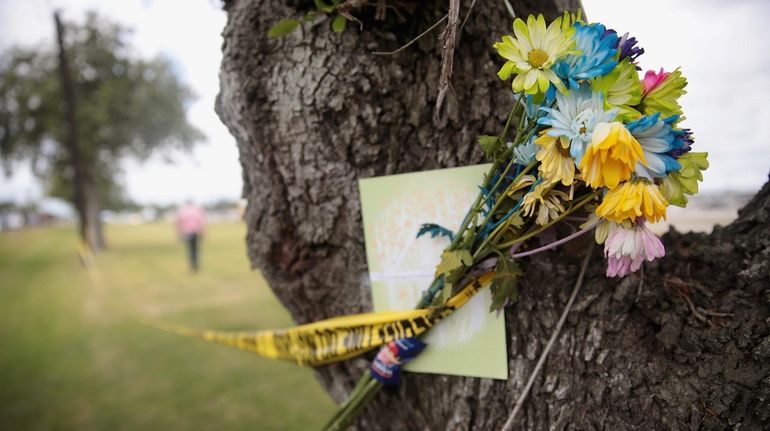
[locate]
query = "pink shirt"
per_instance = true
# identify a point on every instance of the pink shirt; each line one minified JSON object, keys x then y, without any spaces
{"x":190,"y":219}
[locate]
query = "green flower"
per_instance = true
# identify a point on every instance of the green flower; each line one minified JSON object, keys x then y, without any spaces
{"x":664,"y":97}
{"x":685,"y":180}
{"x":532,"y":52}
{"x":622,"y":90}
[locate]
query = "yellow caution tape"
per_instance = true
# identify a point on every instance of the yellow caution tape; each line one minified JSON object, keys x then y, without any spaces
{"x":337,"y":338}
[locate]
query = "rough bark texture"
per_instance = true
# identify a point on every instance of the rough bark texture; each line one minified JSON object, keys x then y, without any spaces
{"x":315,"y":111}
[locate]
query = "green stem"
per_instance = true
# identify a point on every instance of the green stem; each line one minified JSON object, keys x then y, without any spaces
{"x":427,"y":298}
{"x":369,"y":392}
{"x":475,"y":208}
{"x":499,"y":201}
{"x":508,"y":151}
{"x":553,"y":222}
{"x":502,"y":136}
{"x":481,"y":250}
{"x":352,"y":408}
{"x":353,"y":398}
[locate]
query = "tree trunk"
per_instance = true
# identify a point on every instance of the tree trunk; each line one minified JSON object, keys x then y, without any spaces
{"x":94,"y":229}
{"x":83,"y":188}
{"x":315,"y":111}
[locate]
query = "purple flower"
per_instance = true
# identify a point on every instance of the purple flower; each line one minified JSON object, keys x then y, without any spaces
{"x":628,"y":49}
{"x":627,"y":248}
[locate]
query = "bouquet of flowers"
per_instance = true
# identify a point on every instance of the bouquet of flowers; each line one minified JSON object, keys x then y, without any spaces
{"x":593,"y":138}
{"x":589,"y":145}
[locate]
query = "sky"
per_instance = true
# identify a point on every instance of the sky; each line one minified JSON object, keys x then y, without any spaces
{"x":719,"y":44}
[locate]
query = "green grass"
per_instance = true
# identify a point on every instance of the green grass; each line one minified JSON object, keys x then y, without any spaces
{"x":72,"y":355}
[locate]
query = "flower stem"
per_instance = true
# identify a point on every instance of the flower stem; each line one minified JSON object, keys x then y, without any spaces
{"x":517,"y":178}
{"x":553,"y":222}
{"x":476,"y":207}
{"x":365,"y":389}
{"x":434,"y":288}
{"x":502,"y":136}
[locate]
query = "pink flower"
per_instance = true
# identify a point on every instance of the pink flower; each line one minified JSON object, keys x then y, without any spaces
{"x":652,"y":79}
{"x":627,"y":248}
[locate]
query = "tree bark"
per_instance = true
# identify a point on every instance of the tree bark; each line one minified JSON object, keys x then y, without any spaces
{"x":315,"y":111}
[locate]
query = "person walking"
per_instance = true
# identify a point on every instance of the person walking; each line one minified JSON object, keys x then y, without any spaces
{"x":190,"y":220}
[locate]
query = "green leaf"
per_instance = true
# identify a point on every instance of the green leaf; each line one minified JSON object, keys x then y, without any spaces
{"x":685,"y":180}
{"x":507,"y":267}
{"x":338,"y":25}
{"x":283,"y":27}
{"x":453,"y":260}
{"x":443,"y":296}
{"x":324,"y":7}
{"x":490,"y":145}
{"x":309,"y":17}
{"x":504,"y":283}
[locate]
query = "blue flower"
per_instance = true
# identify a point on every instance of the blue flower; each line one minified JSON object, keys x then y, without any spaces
{"x":575,"y":116}
{"x":524,"y":154}
{"x":683,"y":141}
{"x":598,"y":49}
{"x":658,"y":139}
{"x":532,"y":103}
{"x":530,"y":107}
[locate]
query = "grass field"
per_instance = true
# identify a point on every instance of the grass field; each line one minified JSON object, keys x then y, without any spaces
{"x":72,"y":355}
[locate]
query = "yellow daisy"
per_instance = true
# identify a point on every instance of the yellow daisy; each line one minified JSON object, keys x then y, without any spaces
{"x":633,"y":199}
{"x":611,"y":156}
{"x":532,"y":52}
{"x":555,"y":162}
{"x":547,"y":201}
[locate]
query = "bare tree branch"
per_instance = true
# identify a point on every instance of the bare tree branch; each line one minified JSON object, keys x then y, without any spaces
{"x":449,"y":36}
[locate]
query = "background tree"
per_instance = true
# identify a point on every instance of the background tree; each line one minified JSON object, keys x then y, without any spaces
{"x":316,"y":110}
{"x":124,"y":106}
